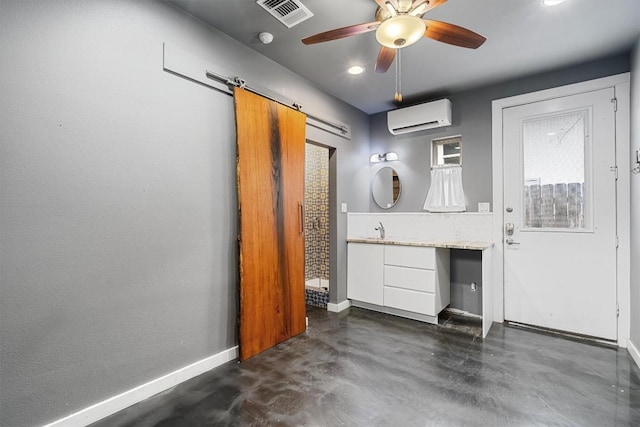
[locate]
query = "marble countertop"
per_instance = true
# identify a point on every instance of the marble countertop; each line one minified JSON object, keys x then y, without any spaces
{"x":451,"y":244}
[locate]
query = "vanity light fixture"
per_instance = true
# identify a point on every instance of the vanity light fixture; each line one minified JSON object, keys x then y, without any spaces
{"x":386,"y":157}
{"x":390,"y":156}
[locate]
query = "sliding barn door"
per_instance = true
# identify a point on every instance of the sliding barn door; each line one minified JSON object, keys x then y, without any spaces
{"x":270,"y":150}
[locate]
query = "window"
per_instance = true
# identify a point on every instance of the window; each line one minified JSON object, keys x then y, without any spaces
{"x":445,"y":192}
{"x":446,"y":151}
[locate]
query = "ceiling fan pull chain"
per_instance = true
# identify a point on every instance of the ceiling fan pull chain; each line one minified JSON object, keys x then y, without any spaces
{"x":398,"y":96}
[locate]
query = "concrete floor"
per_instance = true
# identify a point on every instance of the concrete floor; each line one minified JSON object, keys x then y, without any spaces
{"x":361,"y":368}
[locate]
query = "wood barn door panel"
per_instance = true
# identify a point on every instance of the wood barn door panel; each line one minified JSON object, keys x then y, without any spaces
{"x":270,"y":162}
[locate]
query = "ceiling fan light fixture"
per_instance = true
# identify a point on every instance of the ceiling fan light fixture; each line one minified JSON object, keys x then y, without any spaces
{"x":400,"y":31}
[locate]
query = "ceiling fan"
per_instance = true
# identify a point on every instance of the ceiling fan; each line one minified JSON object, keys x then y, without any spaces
{"x":399,"y":24}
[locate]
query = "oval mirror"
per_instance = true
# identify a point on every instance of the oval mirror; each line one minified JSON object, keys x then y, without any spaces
{"x":386,"y":187}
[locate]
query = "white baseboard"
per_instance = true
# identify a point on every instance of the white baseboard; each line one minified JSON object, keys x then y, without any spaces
{"x":117,"y":403}
{"x":633,"y":351}
{"x":337,"y":308}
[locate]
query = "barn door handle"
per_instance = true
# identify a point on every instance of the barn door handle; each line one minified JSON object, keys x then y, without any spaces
{"x":301,"y":217}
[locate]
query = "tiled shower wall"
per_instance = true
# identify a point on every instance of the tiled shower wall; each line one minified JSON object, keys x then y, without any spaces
{"x":316,"y":201}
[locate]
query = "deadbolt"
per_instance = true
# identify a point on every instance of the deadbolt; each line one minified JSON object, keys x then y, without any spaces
{"x":509,"y":228}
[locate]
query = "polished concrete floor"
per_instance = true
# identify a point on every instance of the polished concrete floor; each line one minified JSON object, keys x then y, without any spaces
{"x":361,"y":368}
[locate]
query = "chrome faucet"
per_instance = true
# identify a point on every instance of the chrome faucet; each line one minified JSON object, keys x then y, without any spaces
{"x":380,"y":228}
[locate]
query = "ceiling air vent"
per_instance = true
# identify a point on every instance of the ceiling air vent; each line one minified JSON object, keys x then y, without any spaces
{"x":289,"y":12}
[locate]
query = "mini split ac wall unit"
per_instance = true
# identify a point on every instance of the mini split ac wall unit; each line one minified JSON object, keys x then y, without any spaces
{"x":429,"y":115}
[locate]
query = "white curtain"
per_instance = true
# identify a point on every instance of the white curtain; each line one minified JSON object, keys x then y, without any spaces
{"x":446,"y":193}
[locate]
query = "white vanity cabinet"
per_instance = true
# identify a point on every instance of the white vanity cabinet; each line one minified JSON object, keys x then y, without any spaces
{"x":416,"y":279}
{"x":364,"y":272}
{"x":410,"y":281}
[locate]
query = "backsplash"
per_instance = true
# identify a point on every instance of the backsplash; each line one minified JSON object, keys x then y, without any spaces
{"x":469,"y":226}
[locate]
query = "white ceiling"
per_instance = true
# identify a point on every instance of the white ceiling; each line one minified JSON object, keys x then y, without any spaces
{"x":523,"y":38}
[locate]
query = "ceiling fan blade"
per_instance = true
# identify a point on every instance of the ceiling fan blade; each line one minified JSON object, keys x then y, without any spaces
{"x":340,"y":33}
{"x":422,"y":6}
{"x":385,"y":59}
{"x":453,"y":34}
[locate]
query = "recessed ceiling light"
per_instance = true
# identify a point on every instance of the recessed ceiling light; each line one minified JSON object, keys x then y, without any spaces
{"x":356,"y":69}
{"x":551,"y":2}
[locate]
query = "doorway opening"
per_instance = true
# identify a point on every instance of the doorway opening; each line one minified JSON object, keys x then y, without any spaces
{"x":316,"y":225}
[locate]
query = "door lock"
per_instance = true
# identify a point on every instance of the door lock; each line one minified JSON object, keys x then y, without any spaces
{"x":509,"y":209}
{"x":509,"y":228}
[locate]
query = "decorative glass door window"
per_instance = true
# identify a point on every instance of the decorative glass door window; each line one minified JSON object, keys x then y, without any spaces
{"x":556,"y":158}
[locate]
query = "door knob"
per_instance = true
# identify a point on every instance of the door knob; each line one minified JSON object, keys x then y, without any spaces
{"x":509,"y":209}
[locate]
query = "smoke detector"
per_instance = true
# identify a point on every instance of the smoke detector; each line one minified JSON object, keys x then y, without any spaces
{"x":265,"y":37}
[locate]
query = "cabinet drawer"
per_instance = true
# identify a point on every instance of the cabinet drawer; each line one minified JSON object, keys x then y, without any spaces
{"x":410,"y":278}
{"x":410,"y":256}
{"x":404,"y":299}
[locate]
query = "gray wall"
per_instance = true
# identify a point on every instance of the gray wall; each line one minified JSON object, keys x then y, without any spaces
{"x":466,"y":268}
{"x":117,"y":189}
{"x":118,"y":213}
{"x":471,"y":118}
{"x":635,"y":198}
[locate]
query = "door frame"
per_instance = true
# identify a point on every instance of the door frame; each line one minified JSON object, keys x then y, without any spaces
{"x":622,"y":90}
{"x":333,"y":216}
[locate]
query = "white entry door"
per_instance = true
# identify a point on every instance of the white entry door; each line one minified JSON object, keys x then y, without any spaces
{"x":560,"y":214}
